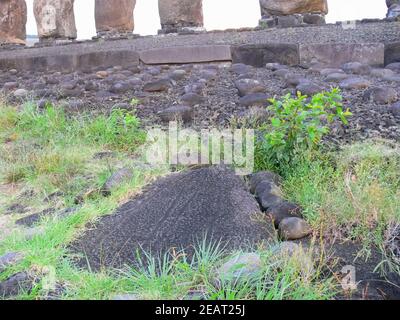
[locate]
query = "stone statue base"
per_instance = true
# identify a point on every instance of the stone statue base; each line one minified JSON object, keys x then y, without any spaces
{"x":115,"y":35}
{"x":293,"y":20}
{"x":53,"y":41}
{"x":181,"y":30}
{"x":394,"y":12}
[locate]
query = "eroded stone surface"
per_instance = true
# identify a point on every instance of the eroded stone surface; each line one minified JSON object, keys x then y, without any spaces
{"x":114,"y":16}
{"x":287,"y":7}
{"x":177,"y":113}
{"x":178,"y":14}
{"x":13,"y":17}
{"x":16,"y":284}
{"x":243,"y":266}
{"x":55,"y":19}
{"x":176,"y":211}
{"x":116,"y":180}
{"x":294,"y":228}
{"x":9,"y":259}
{"x":380,"y":95}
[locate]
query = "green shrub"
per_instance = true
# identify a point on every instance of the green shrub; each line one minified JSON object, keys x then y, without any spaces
{"x":297,"y":126}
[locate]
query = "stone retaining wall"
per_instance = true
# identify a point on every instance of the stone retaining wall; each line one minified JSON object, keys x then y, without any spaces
{"x":257,"y":55}
{"x":375,"y":44}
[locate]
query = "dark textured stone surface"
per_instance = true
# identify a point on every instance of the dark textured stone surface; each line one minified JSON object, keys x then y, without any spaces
{"x":117,"y":178}
{"x":370,"y":284}
{"x":175,"y":212}
{"x":283,"y":209}
{"x":158,"y":85}
{"x":72,"y":61}
{"x":15,"y":285}
{"x":395,"y":109}
{"x":392,"y":52}
{"x":309,"y":89}
{"x":294,"y":228}
{"x":356,"y":68}
{"x":176,"y":113}
{"x":256,"y":178}
{"x":9,"y":259}
{"x":191,"y":99}
{"x":248,"y":86}
{"x":254,"y":99}
{"x":31,"y":220}
{"x":192,"y":54}
{"x":380,"y":95}
{"x":259,"y":55}
{"x":336,"y":54}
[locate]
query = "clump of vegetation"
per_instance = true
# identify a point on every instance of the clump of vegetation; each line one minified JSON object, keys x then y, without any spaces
{"x":350,"y":194}
{"x":50,"y":146}
{"x":47,"y":160}
{"x":353,"y":193}
{"x":120,"y":130}
{"x":297,"y":126}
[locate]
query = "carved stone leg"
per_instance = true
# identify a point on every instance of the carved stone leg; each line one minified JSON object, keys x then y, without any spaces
{"x":13,"y":16}
{"x":393,"y":9}
{"x":176,"y":15}
{"x":292,"y":13}
{"x":114,"y":17}
{"x":55,"y":19}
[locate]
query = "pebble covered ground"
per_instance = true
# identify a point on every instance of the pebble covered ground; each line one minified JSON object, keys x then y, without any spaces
{"x":216,"y":95}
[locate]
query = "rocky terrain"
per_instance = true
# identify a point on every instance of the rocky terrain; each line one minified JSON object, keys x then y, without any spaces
{"x":78,"y":197}
{"x":217,"y":95}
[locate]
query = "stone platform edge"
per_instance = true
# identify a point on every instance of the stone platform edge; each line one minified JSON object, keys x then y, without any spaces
{"x":334,"y":55}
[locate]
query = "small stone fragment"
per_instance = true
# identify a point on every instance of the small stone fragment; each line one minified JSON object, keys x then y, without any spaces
{"x":294,"y":228}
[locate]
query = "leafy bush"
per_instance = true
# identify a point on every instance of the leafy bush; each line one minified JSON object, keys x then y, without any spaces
{"x":298,"y":126}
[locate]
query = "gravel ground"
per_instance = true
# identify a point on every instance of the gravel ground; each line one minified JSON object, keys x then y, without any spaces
{"x":221,"y":102}
{"x":382,"y":32}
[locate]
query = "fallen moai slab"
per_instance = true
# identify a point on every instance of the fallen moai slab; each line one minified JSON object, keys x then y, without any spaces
{"x":176,"y":212}
{"x":258,"y":55}
{"x":392,"y":53}
{"x":336,"y":54}
{"x":187,"y":54}
{"x":71,"y":62}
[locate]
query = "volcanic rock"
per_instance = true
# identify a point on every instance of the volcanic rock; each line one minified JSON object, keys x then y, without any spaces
{"x":184,"y":113}
{"x":294,"y":228}
{"x":176,"y":211}
{"x":380,"y":95}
